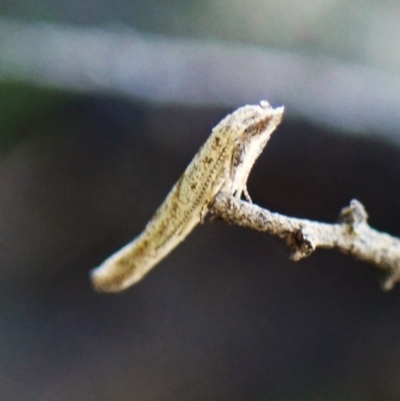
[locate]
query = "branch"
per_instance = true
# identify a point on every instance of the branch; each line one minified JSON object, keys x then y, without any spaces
{"x":190,"y":72}
{"x":351,"y":235}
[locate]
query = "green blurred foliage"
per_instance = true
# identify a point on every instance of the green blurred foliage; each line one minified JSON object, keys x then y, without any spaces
{"x":22,"y":109}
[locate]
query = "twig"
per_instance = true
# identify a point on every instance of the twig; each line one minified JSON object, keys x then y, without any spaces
{"x":191,"y":72}
{"x":351,"y":235}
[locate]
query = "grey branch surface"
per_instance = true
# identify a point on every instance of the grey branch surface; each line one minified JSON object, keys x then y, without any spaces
{"x":351,"y":235}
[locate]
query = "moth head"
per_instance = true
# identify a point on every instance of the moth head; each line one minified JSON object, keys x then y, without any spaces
{"x":259,"y":118}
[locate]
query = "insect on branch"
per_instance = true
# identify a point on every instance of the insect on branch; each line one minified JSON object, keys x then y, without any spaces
{"x":214,"y":182}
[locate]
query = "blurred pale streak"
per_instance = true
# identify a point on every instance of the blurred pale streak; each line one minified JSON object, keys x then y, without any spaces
{"x":181,"y":71}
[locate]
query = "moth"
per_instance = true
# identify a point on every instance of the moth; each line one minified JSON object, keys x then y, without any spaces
{"x":223,"y":163}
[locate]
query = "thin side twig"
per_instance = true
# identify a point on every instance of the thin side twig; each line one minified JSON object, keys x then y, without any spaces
{"x":199,"y":73}
{"x":351,"y":235}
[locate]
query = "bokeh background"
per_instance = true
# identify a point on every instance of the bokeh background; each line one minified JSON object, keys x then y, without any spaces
{"x":102,"y":106}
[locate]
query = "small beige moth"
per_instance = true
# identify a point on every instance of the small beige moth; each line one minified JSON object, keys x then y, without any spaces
{"x":223,"y":163}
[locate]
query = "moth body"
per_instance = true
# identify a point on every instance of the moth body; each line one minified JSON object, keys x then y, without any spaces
{"x":223,"y":163}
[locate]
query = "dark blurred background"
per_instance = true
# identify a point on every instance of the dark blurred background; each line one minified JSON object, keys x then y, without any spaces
{"x":102,"y":106}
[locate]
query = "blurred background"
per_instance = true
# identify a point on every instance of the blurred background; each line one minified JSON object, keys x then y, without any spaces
{"x":102,"y":106}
